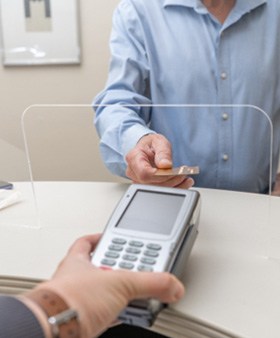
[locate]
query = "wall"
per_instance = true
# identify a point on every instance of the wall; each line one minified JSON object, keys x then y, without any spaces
{"x":71,"y":84}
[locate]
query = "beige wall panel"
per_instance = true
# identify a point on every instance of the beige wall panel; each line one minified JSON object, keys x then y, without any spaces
{"x":22,"y":86}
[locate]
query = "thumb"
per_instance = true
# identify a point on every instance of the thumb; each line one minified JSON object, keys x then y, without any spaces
{"x":163,"y":152}
{"x":163,"y":286}
{"x":83,"y":246}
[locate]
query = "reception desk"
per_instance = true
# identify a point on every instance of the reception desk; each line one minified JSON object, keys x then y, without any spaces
{"x":232,"y":276}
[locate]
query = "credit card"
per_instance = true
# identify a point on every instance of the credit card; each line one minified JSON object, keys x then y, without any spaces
{"x":182,"y":170}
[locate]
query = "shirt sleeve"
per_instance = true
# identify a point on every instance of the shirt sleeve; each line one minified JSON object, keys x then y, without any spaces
{"x":17,"y":320}
{"x":123,"y":108}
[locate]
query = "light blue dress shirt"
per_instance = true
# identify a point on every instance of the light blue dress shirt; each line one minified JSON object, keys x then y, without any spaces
{"x":173,"y":52}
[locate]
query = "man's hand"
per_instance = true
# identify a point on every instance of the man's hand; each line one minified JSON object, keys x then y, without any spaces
{"x":152,"y":152}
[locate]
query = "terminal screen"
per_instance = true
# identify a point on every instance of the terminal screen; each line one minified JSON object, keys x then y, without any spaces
{"x":152,"y":212}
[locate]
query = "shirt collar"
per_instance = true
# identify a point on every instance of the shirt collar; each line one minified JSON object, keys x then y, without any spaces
{"x":186,"y":3}
{"x":246,"y":5}
{"x":249,"y":5}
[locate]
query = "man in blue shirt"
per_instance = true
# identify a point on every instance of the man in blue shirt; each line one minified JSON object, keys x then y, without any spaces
{"x":221,"y":55}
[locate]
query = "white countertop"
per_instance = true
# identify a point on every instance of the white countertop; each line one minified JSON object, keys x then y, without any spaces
{"x":233,"y":274}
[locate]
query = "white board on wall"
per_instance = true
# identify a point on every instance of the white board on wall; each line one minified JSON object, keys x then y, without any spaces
{"x":36,"y":32}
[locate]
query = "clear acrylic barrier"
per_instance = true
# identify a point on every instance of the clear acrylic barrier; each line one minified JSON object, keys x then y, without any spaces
{"x":18,"y":205}
{"x":62,"y":145}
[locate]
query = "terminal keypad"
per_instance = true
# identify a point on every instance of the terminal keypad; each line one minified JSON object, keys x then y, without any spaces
{"x":131,"y":255}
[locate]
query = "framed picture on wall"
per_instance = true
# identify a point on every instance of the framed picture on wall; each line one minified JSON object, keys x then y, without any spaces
{"x":37,"y":32}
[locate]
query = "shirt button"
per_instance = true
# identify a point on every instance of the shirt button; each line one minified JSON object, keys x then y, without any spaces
{"x":225,"y":116}
{"x":225,"y":157}
{"x":223,"y":75}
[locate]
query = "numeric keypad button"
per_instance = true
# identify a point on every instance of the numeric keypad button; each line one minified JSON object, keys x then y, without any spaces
{"x":151,"y":253}
{"x":118,"y":240}
{"x":147,"y":260}
{"x":154,"y":246}
{"x":137,"y":244}
{"x":130,"y":258}
{"x":144,"y":268}
{"x":112,"y":254}
{"x":108,"y":262}
{"x":126,"y":265}
{"x":133,"y":250}
{"x":115,"y":247}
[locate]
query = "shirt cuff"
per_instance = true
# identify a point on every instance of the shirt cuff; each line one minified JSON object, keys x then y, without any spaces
{"x":132,"y":135}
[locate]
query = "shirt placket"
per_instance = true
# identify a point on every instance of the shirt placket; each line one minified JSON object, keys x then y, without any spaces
{"x":224,"y":112}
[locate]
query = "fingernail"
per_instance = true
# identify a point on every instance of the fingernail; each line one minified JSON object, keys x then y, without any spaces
{"x":190,"y":182}
{"x":164,"y":162}
{"x":178,"y":292}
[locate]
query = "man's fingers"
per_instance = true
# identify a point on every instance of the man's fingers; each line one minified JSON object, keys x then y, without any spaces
{"x":151,"y":152}
{"x":139,"y":167}
{"x":187,"y":183}
{"x":154,"y":152}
